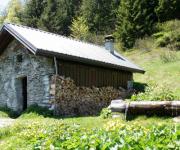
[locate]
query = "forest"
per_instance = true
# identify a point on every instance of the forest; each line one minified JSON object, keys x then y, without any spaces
{"x":90,"y":20}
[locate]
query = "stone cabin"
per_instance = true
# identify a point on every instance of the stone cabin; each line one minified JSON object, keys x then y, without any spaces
{"x":29,"y":57}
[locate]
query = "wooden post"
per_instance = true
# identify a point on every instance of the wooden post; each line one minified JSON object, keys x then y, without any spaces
{"x":56,"y":67}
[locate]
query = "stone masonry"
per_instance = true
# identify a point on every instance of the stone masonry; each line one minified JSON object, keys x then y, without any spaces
{"x":17,"y":62}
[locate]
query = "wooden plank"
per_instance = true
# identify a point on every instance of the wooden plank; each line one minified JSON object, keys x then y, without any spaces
{"x":88,"y":75}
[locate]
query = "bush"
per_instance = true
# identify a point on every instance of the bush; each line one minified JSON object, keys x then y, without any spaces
{"x":168,"y":35}
{"x":155,"y":92}
{"x":106,"y":113}
{"x":169,"y":25}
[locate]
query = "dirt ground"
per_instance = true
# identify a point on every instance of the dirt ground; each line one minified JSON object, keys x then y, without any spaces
{"x":5,"y":122}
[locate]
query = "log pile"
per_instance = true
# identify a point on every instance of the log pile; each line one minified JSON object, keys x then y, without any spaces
{"x":72,"y":100}
{"x":171,"y":108}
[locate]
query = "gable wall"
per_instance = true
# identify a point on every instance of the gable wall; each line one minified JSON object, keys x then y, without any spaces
{"x":37,"y":69}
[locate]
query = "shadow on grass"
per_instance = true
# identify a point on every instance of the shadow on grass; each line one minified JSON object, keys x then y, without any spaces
{"x":132,"y":117}
{"x":139,"y":87}
{"x":45,"y":112}
{"x":35,"y":111}
{"x":7,"y":112}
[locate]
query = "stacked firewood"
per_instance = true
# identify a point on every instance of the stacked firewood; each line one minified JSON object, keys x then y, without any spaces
{"x":73,"y":100}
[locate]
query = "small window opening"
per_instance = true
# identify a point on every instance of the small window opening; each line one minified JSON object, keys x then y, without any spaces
{"x":19,"y":58}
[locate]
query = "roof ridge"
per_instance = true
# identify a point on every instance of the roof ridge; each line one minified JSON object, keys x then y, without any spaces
{"x":69,"y":38}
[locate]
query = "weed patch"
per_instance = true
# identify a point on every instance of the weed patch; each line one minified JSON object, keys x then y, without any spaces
{"x":155,"y":92}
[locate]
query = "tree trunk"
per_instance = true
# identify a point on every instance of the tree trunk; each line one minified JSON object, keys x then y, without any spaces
{"x":164,"y":108}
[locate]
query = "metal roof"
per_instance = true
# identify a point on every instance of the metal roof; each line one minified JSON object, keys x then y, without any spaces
{"x":41,"y":42}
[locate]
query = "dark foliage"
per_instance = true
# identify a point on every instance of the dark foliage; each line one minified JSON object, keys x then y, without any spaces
{"x":100,"y":14}
{"x":168,"y":9}
{"x":32,"y":12}
{"x":135,"y":19}
{"x":44,"y":111}
{"x":50,"y":15}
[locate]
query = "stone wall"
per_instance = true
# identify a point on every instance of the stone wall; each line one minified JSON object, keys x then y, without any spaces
{"x":17,"y":62}
{"x":71,"y":100}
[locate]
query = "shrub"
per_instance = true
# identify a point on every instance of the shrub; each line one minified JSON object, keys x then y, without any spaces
{"x":168,"y":35}
{"x":155,"y":92}
{"x":106,"y":113}
{"x":169,"y":25}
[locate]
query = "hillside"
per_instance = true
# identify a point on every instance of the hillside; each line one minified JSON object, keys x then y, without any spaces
{"x":161,"y":65}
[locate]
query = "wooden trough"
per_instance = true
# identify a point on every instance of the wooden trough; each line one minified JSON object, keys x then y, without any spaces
{"x":163,"y":108}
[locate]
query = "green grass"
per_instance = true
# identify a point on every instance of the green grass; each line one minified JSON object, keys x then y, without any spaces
{"x":3,"y":114}
{"x":157,"y":71}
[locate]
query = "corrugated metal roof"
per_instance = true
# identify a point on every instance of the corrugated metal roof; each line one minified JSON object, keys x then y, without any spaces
{"x":40,"y":42}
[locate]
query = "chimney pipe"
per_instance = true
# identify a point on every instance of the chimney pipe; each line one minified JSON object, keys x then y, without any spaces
{"x":109,"y":43}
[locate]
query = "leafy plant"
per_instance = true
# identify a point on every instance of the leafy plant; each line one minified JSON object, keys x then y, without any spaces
{"x":106,"y":113}
{"x":47,"y":133}
{"x":154,"y":92}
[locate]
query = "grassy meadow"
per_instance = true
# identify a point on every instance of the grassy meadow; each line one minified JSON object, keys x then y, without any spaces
{"x":161,"y":65}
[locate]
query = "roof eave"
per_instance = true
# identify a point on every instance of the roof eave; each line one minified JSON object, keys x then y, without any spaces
{"x":21,"y":39}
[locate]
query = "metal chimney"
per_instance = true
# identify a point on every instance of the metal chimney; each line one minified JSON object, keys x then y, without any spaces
{"x":109,"y":43}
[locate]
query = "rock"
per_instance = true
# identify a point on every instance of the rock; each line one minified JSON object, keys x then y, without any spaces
{"x":117,"y":105}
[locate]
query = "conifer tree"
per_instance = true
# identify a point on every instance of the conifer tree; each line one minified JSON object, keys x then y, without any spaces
{"x":168,"y":9}
{"x":135,"y":19}
{"x":79,"y":28}
{"x":57,"y":16}
{"x":100,"y":14}
{"x":32,"y":12}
